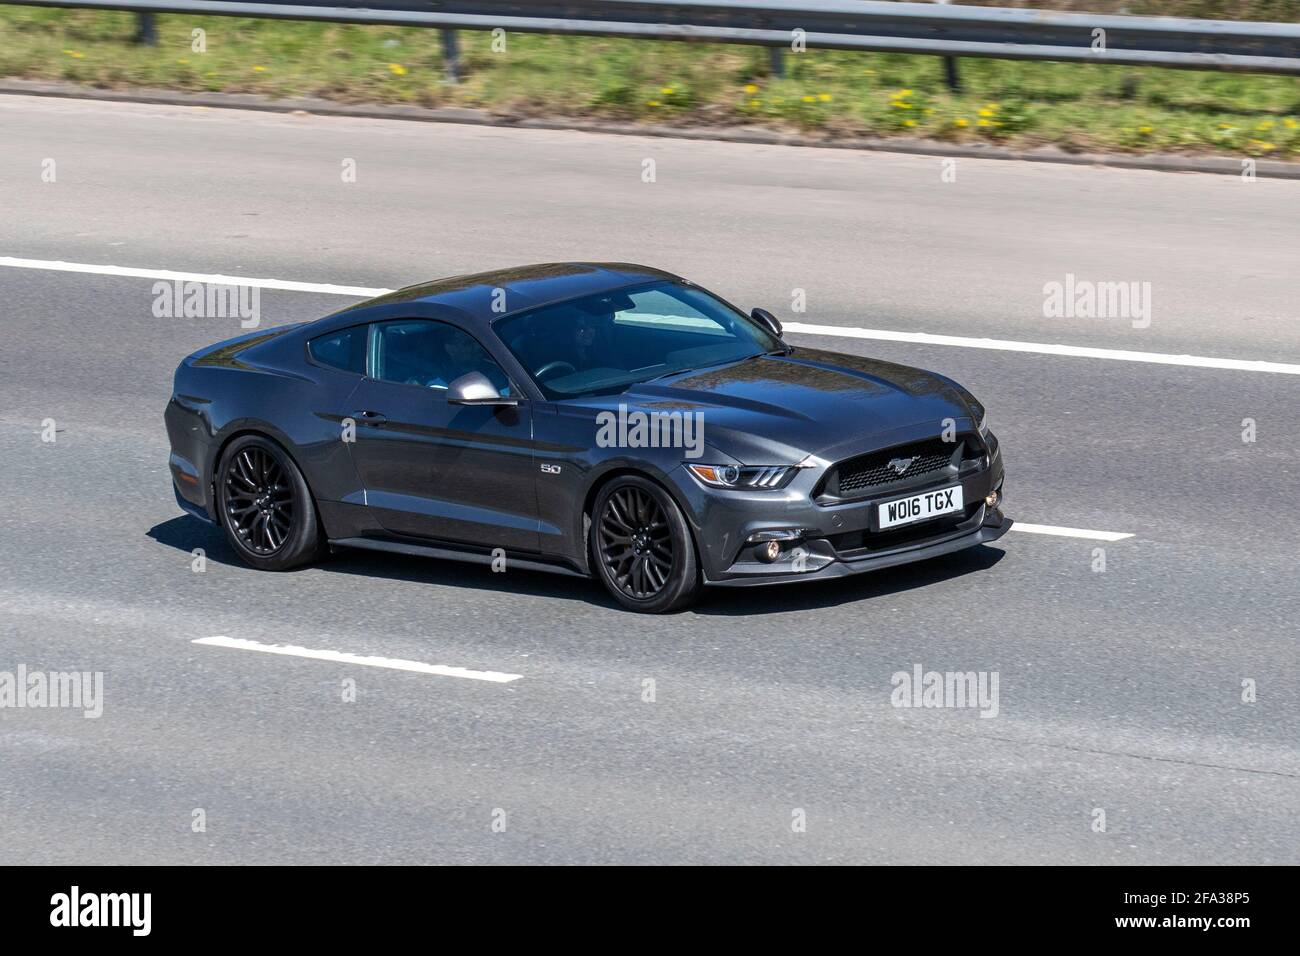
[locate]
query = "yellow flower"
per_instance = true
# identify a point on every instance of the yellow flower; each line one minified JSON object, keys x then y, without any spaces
{"x":993,"y":106}
{"x":75,"y":55}
{"x":667,"y":91}
{"x":259,"y":69}
{"x":868,"y":72}
{"x":652,"y":103}
{"x":909,"y":122}
{"x":182,"y":62}
{"x":754,"y":102}
{"x":397,"y":69}
{"x":810,"y":99}
{"x":1289,"y":123}
{"x":961,"y":121}
{"x":750,"y":88}
{"x":1261,"y":144}
{"x":983,"y":122}
{"x":986,"y":112}
{"x":1144,"y":129}
{"x":824,"y":97}
{"x":1226,"y":126}
{"x":1266,"y":124}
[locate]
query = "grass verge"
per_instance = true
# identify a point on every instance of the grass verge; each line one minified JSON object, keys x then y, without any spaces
{"x":1075,"y":106}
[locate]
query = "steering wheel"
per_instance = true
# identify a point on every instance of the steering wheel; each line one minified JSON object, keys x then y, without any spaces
{"x":554,"y":366}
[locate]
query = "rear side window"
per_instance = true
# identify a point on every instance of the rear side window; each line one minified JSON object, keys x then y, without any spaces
{"x":344,"y":350}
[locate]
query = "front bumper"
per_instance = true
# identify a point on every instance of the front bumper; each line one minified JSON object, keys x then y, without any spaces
{"x":838,"y":539}
{"x":987,"y":530}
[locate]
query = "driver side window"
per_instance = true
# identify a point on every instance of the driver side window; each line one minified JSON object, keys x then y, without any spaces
{"x":429,"y":354}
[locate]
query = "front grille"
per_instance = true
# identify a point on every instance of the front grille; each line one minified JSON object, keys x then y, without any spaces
{"x":860,"y":476}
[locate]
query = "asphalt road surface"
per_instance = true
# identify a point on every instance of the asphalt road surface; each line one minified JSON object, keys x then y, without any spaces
{"x":771,"y":735}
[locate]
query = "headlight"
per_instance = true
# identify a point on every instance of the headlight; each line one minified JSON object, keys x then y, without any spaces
{"x":759,"y":477}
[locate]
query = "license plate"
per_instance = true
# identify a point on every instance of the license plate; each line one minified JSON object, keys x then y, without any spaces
{"x":928,"y":504}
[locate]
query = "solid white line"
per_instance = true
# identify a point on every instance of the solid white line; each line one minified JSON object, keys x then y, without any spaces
{"x":282,"y":284}
{"x":799,"y":328}
{"x":1046,"y":348}
{"x":340,"y":657}
{"x":1070,"y":532}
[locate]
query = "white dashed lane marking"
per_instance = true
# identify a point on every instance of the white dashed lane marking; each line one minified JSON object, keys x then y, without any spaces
{"x":342,"y":657}
{"x":1070,"y":532}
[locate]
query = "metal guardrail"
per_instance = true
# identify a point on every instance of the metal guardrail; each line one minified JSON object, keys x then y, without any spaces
{"x":867,"y":25}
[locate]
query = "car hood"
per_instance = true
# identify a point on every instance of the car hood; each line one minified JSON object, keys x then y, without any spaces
{"x":779,"y":409}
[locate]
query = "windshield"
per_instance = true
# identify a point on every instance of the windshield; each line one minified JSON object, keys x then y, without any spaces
{"x":601,"y":344}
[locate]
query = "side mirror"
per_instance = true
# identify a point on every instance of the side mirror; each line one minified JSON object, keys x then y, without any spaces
{"x":474,"y":388}
{"x":768,"y":319}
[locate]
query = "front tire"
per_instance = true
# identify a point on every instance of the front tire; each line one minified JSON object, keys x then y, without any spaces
{"x":642,"y":547}
{"x":265,"y":506}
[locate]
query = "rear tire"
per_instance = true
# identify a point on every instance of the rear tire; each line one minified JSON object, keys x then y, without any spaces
{"x":265,"y":506}
{"x":642,"y":548}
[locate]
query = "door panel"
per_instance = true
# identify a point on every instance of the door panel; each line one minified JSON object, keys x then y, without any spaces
{"x":432,"y":469}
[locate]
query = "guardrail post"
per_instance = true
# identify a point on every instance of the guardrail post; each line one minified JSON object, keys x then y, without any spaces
{"x":146,"y":29}
{"x":950,"y":74}
{"x":776,"y":61}
{"x":450,"y":55}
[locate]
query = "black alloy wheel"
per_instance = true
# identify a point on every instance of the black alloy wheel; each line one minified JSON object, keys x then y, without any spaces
{"x":265,"y":506}
{"x":259,"y":500}
{"x":635,"y":543}
{"x":642,"y":547}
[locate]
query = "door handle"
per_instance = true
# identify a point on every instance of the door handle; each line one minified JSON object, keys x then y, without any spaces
{"x":369,"y":418}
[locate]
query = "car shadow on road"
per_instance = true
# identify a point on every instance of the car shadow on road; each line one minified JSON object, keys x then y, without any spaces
{"x":186,"y":533}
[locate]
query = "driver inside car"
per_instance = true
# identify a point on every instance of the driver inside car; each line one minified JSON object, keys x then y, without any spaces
{"x":586,"y":349}
{"x":458,"y":354}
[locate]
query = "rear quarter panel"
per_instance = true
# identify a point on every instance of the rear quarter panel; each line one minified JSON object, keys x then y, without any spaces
{"x":260,"y":383}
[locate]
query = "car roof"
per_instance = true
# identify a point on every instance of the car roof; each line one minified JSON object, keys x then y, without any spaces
{"x":473,"y":300}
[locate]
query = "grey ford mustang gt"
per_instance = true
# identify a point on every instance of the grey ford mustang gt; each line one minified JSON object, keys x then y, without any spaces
{"x":606,"y":420}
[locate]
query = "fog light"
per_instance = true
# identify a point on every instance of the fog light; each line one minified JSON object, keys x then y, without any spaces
{"x":992,"y":500}
{"x":769,"y":543}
